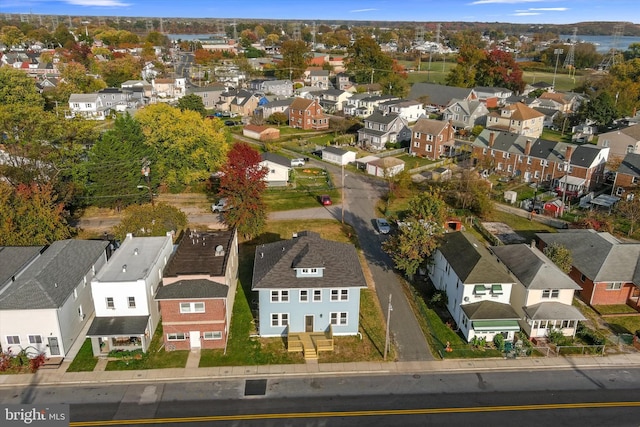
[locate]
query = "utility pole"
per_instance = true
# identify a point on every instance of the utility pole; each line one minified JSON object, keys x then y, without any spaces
{"x":386,"y":339}
{"x":342,"y":196}
{"x":147,"y":178}
{"x":557,"y":53}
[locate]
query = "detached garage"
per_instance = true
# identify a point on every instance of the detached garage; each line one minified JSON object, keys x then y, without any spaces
{"x":385,"y":167}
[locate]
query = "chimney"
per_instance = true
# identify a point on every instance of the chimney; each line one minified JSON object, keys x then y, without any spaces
{"x":492,"y":137}
{"x":527,"y":147}
{"x":567,"y":154}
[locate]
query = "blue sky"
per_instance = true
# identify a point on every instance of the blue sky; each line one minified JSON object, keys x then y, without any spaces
{"x":516,"y":11}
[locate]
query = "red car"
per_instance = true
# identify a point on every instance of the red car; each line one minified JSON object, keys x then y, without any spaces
{"x":325,"y":200}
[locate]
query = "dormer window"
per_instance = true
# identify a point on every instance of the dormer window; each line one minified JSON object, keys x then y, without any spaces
{"x":309,"y":271}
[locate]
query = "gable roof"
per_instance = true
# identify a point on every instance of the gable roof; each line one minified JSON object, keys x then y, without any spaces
{"x":301,"y":103}
{"x":522,"y":112}
{"x":276,"y":158}
{"x":13,"y":259}
{"x":471,"y":261}
{"x":53,"y":276}
{"x":630,"y":165}
{"x":335,"y":150}
{"x":429,"y":126}
{"x":378,"y":117}
{"x":274,"y":264}
{"x":585,"y":155}
{"x":189,"y":289}
{"x":532,"y":268}
{"x":598,"y":255}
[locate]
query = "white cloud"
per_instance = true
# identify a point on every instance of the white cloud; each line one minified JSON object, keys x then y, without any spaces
{"x":504,"y":1}
{"x":362,"y":10}
{"x":550,"y":9}
{"x":98,"y":3}
{"x":526,"y":13}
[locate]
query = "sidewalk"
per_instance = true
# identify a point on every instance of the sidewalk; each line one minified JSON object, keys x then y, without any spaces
{"x":52,"y":377}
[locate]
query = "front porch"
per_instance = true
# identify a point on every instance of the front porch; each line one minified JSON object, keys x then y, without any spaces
{"x":310,"y":343}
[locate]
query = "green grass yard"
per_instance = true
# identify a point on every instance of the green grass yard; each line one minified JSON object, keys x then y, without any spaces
{"x":84,"y":360}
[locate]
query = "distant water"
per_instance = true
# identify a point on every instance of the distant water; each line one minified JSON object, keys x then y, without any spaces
{"x":604,"y":43}
{"x":188,"y":37}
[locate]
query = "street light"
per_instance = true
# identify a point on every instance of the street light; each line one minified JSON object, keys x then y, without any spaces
{"x":557,"y":53}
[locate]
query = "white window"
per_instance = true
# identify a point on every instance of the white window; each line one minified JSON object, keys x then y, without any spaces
{"x":529,"y":160}
{"x":339,"y":318}
{"x":416,"y":135}
{"x":339,"y":294}
{"x":215,"y":335}
{"x":279,"y":319}
{"x":131,"y":302}
{"x":309,"y":270}
{"x":13,"y":339}
{"x":543,"y":163}
{"x":75,"y":294}
{"x":428,"y":148}
{"x":110,"y":304}
{"x":304,"y":295}
{"x":536,"y":174}
{"x":179,"y":336}
{"x":493,"y":153}
{"x":317,"y":295}
{"x":429,"y":137}
{"x":499,"y":166}
{"x":510,"y":168}
{"x":619,"y":191}
{"x":191,"y":307}
{"x":550,"y":293}
{"x":416,"y":144}
{"x":614,"y":286}
{"x":484,"y":151}
{"x":280,"y":296}
{"x":35,"y":339}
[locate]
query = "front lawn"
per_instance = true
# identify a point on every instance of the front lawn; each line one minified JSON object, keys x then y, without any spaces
{"x":614,"y":309}
{"x":84,"y":360}
{"x":156,"y":357}
{"x":623,"y":324}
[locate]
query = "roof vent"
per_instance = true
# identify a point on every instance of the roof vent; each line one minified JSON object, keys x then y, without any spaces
{"x":135,"y":251}
{"x":261,"y":254}
{"x":124,"y":268}
{"x":219,"y":250}
{"x":55,"y":285}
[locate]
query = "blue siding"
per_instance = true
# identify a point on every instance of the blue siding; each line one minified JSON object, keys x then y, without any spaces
{"x":320,"y":310}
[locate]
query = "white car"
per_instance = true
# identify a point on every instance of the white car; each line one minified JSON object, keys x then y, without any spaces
{"x":297,"y":162}
{"x":383,"y":225}
{"x":221,"y":206}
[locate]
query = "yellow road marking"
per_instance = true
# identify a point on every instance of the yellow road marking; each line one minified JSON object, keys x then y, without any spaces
{"x":383,"y":412}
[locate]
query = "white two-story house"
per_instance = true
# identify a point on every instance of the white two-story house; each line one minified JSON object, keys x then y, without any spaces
{"x":543,"y":294}
{"x":87,"y":105}
{"x":381,"y":128}
{"x":478,"y":288}
{"x":123,"y":294}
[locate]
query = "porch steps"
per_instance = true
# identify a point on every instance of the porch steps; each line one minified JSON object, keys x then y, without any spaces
{"x":310,"y":352}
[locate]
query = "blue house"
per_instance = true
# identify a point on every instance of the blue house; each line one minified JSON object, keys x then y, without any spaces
{"x":309,"y":291}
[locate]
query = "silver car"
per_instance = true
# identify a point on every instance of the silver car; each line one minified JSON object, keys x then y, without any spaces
{"x":383,"y":225}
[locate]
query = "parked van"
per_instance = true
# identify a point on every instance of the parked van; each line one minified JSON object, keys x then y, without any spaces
{"x":221,"y":206}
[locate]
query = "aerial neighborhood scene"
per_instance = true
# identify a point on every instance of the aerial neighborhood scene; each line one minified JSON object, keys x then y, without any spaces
{"x":202,"y":203}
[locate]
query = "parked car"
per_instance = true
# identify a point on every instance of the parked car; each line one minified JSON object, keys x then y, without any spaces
{"x":383,"y":225}
{"x":297,"y":162}
{"x":221,"y":206}
{"x":325,"y":200}
{"x":317,"y":153}
{"x":230,"y":123}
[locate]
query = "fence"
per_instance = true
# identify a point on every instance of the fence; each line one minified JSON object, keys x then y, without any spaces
{"x":392,"y":152}
{"x":580,"y":350}
{"x":486,"y":234}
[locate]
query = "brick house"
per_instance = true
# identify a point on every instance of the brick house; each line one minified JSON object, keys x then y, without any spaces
{"x":627,"y":176}
{"x":517,"y":118}
{"x":307,"y":114}
{"x":432,"y":138}
{"x":539,"y":160}
{"x":605,"y":268}
{"x":198,"y":289}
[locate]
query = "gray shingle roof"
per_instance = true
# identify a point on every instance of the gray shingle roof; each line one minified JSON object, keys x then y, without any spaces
{"x":14,"y":258}
{"x":553,"y":310}
{"x":471,"y":261}
{"x":438,"y":94}
{"x":630,"y":165}
{"x":599,"y":255}
{"x":51,"y":278}
{"x":190,"y":289}
{"x":276,"y":158}
{"x":532,"y":268}
{"x":335,"y":150}
{"x":121,"y":325}
{"x":489,"y":310}
{"x":274,"y":264}
{"x":378,"y":117}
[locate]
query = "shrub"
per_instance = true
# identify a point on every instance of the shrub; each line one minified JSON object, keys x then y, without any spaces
{"x":589,"y":336}
{"x":498,"y":341}
{"x":439,"y":298}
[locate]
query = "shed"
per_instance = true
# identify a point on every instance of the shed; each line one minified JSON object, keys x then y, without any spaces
{"x":510,"y":196}
{"x":385,"y":167}
{"x":261,"y":133}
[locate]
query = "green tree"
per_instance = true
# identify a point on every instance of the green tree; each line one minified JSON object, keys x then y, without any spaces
{"x":187,"y":146}
{"x":294,"y":59}
{"x":560,"y":256}
{"x":600,"y":109}
{"x":629,"y":209}
{"x":18,"y":89}
{"x":11,"y":36}
{"x":31,"y":215}
{"x":367,"y":61}
{"x":278,"y":119}
{"x":192,"y":102}
{"x":464,"y":73}
{"x":156,"y":38}
{"x":243,"y":183}
{"x":119,"y":70}
{"x":416,"y":240}
{"x":154,"y":220}
{"x":472,"y":193}
{"x":115,"y":163}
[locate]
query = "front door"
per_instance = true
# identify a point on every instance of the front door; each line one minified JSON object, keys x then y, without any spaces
{"x":194,"y":339}
{"x":54,"y":348}
{"x":527,"y":176}
{"x":308,"y":323}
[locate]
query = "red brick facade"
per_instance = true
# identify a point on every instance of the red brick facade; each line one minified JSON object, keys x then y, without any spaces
{"x":212,"y":320}
{"x":308,"y":115}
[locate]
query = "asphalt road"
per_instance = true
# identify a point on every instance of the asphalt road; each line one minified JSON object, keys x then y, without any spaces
{"x":535,"y":398}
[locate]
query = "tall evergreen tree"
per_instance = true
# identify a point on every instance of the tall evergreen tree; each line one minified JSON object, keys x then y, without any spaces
{"x":115,"y":164}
